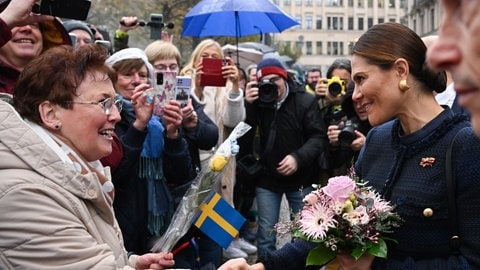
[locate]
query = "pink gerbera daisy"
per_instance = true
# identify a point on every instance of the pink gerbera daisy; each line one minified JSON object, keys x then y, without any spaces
{"x":316,"y":220}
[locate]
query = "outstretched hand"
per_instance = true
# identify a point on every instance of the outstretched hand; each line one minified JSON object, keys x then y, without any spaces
{"x":19,"y":13}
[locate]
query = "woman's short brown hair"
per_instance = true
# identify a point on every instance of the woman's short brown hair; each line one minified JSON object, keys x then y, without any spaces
{"x":55,"y":75}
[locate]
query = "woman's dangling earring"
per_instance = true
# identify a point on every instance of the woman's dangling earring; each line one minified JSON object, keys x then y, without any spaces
{"x":403,"y":85}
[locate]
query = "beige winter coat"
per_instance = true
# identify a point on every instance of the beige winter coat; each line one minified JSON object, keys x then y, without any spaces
{"x":51,"y":217}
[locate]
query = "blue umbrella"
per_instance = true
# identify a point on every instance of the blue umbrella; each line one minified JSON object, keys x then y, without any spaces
{"x":235,"y":18}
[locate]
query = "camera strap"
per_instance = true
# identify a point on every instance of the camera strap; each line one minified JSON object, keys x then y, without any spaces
{"x":271,"y":135}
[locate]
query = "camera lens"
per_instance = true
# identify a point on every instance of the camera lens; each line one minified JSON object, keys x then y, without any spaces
{"x":335,"y":89}
{"x":346,"y":136}
{"x":267,"y":93}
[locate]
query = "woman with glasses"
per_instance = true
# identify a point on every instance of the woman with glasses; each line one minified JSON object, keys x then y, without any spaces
{"x":154,"y":154}
{"x":56,"y":197}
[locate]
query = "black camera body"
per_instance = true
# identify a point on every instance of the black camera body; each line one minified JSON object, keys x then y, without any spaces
{"x":267,"y":93}
{"x":336,"y":86}
{"x":347,"y":132}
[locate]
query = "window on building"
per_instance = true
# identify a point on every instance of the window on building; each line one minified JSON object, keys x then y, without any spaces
{"x":276,"y":2}
{"x":334,"y":3}
{"x":286,"y":2}
{"x":319,"y":3}
{"x":360,"y":4}
{"x":350,"y":3}
{"x":391,"y":3}
{"x":381,"y":3}
{"x":381,"y":20}
{"x":318,"y":24}
{"x":298,"y":2}
{"x":334,"y":48}
{"x":298,"y":18}
{"x":335,"y":23}
{"x":308,"y":22}
{"x":308,"y":45}
{"x":370,"y":3}
{"x":319,"y":49}
{"x":369,"y":22}
{"x":308,"y":3}
{"x":392,"y":20}
{"x":350,"y":23}
{"x":432,"y":19}
{"x":360,"y":24}
{"x":403,"y":4}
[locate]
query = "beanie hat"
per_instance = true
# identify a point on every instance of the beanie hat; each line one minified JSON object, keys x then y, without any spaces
{"x":71,"y":25}
{"x":133,"y":53}
{"x":271,"y":66}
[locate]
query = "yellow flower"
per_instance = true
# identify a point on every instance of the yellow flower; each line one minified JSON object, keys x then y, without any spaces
{"x":348,"y":207}
{"x":217,"y":162}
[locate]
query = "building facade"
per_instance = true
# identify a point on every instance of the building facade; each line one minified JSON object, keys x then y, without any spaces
{"x":328,"y":28}
{"x":424,"y":16}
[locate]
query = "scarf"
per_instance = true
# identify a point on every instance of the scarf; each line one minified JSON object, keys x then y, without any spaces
{"x":160,"y":202}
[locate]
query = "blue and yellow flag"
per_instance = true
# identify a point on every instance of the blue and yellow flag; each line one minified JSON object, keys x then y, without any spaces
{"x":218,"y":219}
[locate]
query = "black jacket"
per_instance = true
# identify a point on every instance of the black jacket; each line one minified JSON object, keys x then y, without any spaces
{"x":298,"y":130}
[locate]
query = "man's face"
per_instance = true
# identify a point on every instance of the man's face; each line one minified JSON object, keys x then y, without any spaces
{"x":26,"y":43}
{"x":313,"y":76}
{"x":458,"y":51}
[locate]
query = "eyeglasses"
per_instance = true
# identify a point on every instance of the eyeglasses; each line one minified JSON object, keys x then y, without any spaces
{"x":162,"y":67}
{"x":106,"y":104}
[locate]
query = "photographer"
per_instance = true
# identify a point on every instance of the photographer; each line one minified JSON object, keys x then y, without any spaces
{"x":348,"y":137}
{"x":328,"y":95}
{"x":292,"y":136}
{"x":332,"y":91}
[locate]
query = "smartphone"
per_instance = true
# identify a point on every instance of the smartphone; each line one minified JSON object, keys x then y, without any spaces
{"x":212,"y":72}
{"x":73,"y":39}
{"x":184,"y":84}
{"x":104,"y":43}
{"x":156,"y":25}
{"x":70,"y":9}
{"x":164,"y":91}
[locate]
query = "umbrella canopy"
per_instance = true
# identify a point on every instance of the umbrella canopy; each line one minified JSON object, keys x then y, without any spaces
{"x":257,"y":46}
{"x":244,"y":56}
{"x":235,"y":18}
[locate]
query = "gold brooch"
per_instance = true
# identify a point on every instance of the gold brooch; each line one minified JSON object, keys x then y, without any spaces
{"x":427,"y":161}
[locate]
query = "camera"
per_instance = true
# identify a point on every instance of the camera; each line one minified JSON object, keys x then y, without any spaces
{"x":70,"y":9}
{"x":267,"y":93}
{"x":347,"y":132}
{"x":156,"y":25}
{"x":336,"y":86}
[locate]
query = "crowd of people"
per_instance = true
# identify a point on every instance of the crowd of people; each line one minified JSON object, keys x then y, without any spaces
{"x":93,"y":172}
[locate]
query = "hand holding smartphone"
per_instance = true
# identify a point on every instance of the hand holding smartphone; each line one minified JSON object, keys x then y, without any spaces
{"x":212,"y":72}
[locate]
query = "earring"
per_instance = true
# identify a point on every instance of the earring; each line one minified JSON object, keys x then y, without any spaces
{"x":403,"y":85}
{"x":57,"y":126}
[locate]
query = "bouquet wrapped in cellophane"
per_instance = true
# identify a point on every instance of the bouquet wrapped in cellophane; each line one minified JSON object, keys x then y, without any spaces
{"x":207,"y":180}
{"x":345,"y":216}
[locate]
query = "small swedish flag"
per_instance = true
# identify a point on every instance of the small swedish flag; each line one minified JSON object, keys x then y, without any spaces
{"x":218,"y":219}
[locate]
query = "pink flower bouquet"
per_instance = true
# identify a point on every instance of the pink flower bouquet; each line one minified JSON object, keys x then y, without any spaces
{"x":344,"y":216}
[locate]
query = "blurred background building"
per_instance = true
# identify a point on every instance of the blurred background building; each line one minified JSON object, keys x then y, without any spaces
{"x":329,"y":28}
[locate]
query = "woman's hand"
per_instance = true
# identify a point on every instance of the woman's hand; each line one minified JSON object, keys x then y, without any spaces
{"x":143,"y":107}
{"x":240,"y":264}
{"x":172,"y":115}
{"x":158,"y":261}
{"x":230,"y":72}
{"x":190,"y":118}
